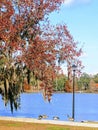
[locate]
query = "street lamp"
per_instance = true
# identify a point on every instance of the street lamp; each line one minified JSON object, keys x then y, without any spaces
{"x":74,"y":67}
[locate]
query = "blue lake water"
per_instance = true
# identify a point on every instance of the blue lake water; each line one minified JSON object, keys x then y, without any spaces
{"x":33,"y":105}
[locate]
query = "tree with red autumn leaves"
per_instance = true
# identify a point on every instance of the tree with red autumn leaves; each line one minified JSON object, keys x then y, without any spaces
{"x":30,"y":44}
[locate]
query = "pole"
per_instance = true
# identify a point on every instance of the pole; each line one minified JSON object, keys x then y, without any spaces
{"x":73,"y":102}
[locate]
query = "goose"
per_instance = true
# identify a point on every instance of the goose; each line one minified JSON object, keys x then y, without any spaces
{"x":70,"y":118}
{"x":56,"y":118}
{"x":42,"y":117}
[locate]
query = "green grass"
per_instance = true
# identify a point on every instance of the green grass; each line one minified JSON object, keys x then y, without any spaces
{"x":13,"y":124}
{"x":57,"y":128}
{"x":33,"y":126}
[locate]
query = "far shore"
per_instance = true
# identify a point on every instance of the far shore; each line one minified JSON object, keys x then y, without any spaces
{"x":82,"y":92}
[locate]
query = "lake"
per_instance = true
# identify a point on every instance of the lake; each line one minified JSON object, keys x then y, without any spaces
{"x":33,"y":105}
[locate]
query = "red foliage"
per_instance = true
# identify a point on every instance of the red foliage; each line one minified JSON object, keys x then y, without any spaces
{"x":36,"y":45}
{"x":68,"y":87}
{"x":26,"y":86}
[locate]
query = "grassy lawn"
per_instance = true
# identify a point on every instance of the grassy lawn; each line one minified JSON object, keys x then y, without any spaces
{"x":9,"y":125}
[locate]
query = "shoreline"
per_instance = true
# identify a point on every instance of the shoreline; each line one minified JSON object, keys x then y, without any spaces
{"x":53,"y":122}
{"x":58,"y":92}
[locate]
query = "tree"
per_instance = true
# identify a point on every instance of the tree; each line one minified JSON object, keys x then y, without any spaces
{"x":95,"y":78}
{"x":59,"y":82}
{"x":84,"y":81}
{"x":68,"y":87}
{"x":29,"y":44}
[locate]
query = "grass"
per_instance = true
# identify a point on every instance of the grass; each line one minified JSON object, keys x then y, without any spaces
{"x":13,"y":125}
{"x":57,"y":128}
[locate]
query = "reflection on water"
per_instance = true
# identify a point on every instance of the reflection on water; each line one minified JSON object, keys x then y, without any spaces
{"x":33,"y":105}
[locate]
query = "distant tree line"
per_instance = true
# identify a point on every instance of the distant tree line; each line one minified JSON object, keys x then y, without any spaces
{"x":85,"y":83}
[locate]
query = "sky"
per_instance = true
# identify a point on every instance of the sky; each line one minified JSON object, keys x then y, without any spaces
{"x":81,"y":18}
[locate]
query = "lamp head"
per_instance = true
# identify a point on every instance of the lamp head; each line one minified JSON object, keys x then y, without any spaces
{"x":74,"y":67}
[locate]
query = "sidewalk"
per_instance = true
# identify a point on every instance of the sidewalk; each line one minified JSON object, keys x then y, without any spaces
{"x":58,"y":122}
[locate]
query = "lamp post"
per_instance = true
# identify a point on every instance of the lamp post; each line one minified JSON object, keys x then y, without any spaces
{"x":73,"y":99}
